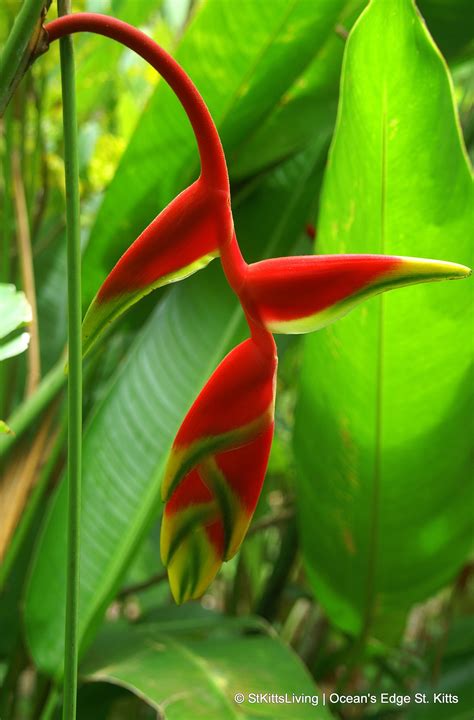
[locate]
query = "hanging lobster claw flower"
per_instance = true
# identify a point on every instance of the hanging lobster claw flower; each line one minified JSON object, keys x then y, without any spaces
{"x":216,"y":469}
{"x":182,"y":239}
{"x":302,"y":294}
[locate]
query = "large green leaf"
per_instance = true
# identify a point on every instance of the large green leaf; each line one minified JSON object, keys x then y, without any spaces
{"x":127,"y":439}
{"x":242,"y":57}
{"x":381,"y":436}
{"x":187,"y":671}
{"x":446,"y":20}
{"x":307,"y":107}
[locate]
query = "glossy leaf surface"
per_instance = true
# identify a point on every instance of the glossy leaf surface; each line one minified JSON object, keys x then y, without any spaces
{"x":382,"y":426}
{"x":201,"y":667}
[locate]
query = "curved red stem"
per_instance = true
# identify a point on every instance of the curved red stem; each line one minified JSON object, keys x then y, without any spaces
{"x":213,"y":164}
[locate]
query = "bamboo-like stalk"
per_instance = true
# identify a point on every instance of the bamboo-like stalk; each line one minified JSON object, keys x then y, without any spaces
{"x":25,"y":254}
{"x":75,"y":369}
{"x":6,"y":130}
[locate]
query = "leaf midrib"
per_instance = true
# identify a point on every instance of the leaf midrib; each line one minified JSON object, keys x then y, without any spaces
{"x":374,"y":530}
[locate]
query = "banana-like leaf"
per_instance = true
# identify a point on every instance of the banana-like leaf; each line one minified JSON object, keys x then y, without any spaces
{"x":309,"y":103}
{"x":205,"y":669}
{"x":382,"y":437}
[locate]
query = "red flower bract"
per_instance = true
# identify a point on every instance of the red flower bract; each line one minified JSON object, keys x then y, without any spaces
{"x":305,"y":293}
{"x":184,"y":238}
{"x":216,"y":468}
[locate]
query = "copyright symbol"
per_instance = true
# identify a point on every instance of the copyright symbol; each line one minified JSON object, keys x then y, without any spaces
{"x":239,"y":698}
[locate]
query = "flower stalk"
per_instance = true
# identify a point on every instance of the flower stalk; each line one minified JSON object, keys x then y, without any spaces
{"x":75,"y":370}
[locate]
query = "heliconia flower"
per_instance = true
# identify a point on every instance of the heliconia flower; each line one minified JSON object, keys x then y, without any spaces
{"x":216,"y":468}
{"x":183,"y":238}
{"x":302,"y":294}
{"x":218,"y":460}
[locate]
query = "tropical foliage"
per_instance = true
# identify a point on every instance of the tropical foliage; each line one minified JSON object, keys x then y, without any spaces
{"x":347,"y":128}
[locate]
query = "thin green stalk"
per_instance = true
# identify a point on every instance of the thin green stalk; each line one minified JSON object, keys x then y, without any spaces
{"x":51,"y":704}
{"x":7,"y":220}
{"x":7,"y":234}
{"x":75,"y":368}
{"x":20,"y":47}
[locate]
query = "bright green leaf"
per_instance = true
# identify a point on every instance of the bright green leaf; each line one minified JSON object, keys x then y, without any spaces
{"x":14,"y":312}
{"x":309,"y":106}
{"x":382,"y":426}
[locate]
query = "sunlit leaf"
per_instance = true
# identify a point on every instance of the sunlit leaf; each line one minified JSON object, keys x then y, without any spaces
{"x":381,"y":437}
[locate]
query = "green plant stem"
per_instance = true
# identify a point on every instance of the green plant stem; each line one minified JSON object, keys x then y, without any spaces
{"x":31,"y":408}
{"x":75,"y":369}
{"x":7,"y":234}
{"x":271,"y":596}
{"x":50,"y":706}
{"x":7,"y":220}
{"x":20,"y":47}
{"x":7,"y":695}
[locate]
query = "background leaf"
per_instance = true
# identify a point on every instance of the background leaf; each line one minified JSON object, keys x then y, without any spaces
{"x":455,"y":677}
{"x":15,"y":311}
{"x":196,"y":672}
{"x":385,"y":392}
